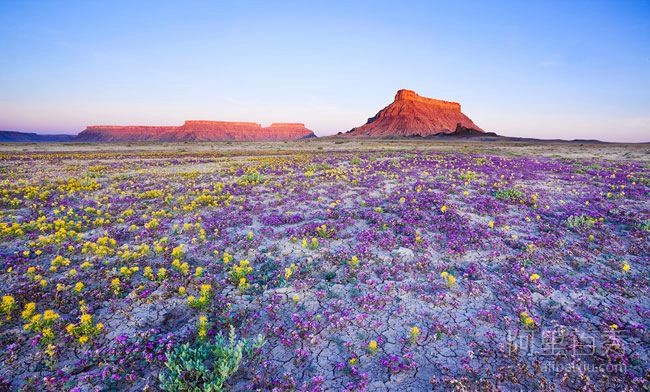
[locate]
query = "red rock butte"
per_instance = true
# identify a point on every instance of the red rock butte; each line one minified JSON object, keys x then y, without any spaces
{"x":196,"y":131}
{"x":413,"y":115}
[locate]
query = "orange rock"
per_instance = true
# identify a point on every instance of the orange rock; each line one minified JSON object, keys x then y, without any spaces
{"x":196,"y":131}
{"x":413,"y":115}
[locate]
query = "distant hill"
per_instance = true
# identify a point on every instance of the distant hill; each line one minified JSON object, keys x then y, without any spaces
{"x":411,"y":115}
{"x":15,"y":136}
{"x":196,"y":131}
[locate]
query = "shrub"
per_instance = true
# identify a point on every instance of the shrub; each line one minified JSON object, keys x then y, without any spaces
{"x":580,"y":221}
{"x":205,"y":365}
{"x":509,"y":194}
{"x":253,"y":177}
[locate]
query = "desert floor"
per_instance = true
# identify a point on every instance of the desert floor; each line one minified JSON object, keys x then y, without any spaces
{"x":375,"y":264}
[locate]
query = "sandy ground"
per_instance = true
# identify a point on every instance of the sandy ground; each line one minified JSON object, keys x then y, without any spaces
{"x":575,"y":150}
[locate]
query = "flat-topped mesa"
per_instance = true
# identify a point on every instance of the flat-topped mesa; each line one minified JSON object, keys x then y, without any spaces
{"x":410,"y":95}
{"x":197,"y":130}
{"x":412,"y":115}
{"x":204,"y":125}
{"x":287,"y":125}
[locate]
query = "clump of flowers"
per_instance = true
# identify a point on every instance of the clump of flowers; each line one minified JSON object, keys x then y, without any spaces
{"x":534,"y":278}
{"x":289,"y":271}
{"x":198,"y":272}
{"x":414,"y":334}
{"x":116,"y":286}
{"x":312,"y":245}
{"x":178,"y":252}
{"x":162,"y":274}
{"x":59,"y":261}
{"x":202,"y":302}
{"x":323,"y":232}
{"x":7,"y":306}
{"x":449,"y":279}
{"x":40,"y":322}
{"x":353,"y":262}
{"x":152,"y":224}
{"x":127,"y":272}
{"x":202,"y":327}
{"x":526,"y":320}
{"x":626,"y":266}
{"x":79,"y":286}
{"x":372,"y":347}
{"x":182,"y":268}
{"x":28,"y":310}
{"x":86,"y":329}
{"x":148,"y":273}
{"x":239,"y":274}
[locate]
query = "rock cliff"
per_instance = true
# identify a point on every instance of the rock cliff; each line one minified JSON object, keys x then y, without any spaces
{"x":196,"y":131}
{"x":412,"y":115}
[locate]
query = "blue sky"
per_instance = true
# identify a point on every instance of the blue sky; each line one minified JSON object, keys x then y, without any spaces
{"x":569,"y":69}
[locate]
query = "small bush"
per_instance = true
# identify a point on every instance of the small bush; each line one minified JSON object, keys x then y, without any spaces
{"x":509,"y":194}
{"x":581,"y":221}
{"x":251,"y":178}
{"x":205,"y":365}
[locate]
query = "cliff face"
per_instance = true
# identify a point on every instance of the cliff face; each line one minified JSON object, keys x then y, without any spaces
{"x":413,"y":115}
{"x":196,"y":131}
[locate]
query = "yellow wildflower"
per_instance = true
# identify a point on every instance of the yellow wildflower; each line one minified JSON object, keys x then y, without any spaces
{"x":414,"y":333}
{"x":198,"y":272}
{"x":50,"y":315}
{"x":526,"y":320}
{"x":626,"y":266}
{"x":372,"y":346}
{"x":7,"y":306}
{"x":86,"y":319}
{"x":28,"y":310}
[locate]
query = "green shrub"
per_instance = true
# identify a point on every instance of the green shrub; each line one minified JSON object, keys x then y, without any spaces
{"x":581,"y":221}
{"x":645,"y":226}
{"x":251,"y":178}
{"x":206,"y":365}
{"x":468,"y":175}
{"x":509,"y":194}
{"x":318,"y":166}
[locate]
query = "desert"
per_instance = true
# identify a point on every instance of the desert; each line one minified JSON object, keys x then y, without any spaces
{"x":338,"y":264}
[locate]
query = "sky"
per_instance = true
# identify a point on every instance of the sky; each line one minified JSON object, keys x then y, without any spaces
{"x":545,"y":69}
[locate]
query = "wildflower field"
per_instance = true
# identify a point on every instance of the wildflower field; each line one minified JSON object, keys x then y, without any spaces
{"x":318,"y":269}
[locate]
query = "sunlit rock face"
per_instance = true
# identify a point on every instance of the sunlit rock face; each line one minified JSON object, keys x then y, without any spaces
{"x":412,"y":115}
{"x":196,"y":131}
